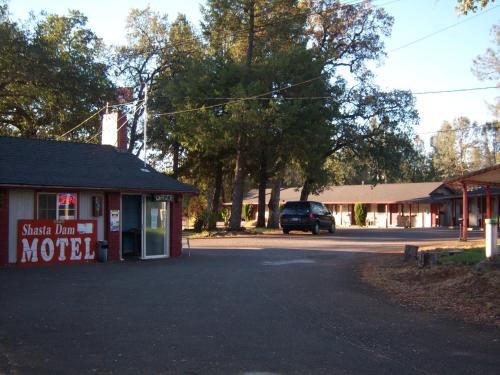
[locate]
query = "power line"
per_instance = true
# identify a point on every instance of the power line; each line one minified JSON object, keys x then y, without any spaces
{"x":94,"y":137}
{"x":243,"y":98}
{"x":471,"y":127}
{"x":93,"y":115}
{"x":327,"y":97}
{"x":456,"y":90}
{"x":262,"y":96}
{"x":442,"y":30}
{"x":80,"y":124}
{"x":316,"y":78}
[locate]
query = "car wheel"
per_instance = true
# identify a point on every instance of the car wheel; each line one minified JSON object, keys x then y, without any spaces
{"x":332,"y":228}
{"x":315,"y":228}
{"x":286,"y":231}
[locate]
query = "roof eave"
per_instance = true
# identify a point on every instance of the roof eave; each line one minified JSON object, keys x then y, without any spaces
{"x":97,"y":188}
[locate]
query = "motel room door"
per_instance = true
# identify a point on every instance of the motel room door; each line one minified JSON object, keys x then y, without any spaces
{"x":156,"y":228}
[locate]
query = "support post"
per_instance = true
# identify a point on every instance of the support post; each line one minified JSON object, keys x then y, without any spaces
{"x":488,"y":202}
{"x":387,"y":216}
{"x":145,"y":125}
{"x":465,"y":211}
{"x":409,"y":221}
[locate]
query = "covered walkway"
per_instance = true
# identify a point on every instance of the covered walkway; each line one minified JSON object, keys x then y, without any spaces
{"x":487,"y":178}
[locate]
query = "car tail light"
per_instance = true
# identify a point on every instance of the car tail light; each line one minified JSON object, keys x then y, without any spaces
{"x":312,"y":216}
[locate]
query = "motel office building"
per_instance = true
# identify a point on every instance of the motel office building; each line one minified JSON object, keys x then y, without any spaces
{"x":58,"y":199}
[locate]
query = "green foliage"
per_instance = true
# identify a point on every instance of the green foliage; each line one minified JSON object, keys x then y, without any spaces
{"x":204,"y":221}
{"x":466,"y":6}
{"x":462,"y":146}
{"x":140,"y":62}
{"x":52,"y":76}
{"x":309,"y":121}
{"x":469,"y":256}
{"x":226,"y":215}
{"x":487,"y":67}
{"x":248,"y":212}
{"x":360,"y":213}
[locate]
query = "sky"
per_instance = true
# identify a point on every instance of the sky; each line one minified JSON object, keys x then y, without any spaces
{"x":441,"y":62}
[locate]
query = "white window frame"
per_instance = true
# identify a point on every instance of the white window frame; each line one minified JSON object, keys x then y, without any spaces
{"x":75,"y":217}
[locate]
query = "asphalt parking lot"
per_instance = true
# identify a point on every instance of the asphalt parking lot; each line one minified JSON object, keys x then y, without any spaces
{"x":281,"y":305}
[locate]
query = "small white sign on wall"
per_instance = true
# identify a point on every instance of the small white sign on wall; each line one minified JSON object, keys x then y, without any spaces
{"x":114,"y":220}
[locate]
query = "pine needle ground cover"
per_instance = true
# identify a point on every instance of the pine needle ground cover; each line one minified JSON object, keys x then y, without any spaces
{"x":453,"y":287}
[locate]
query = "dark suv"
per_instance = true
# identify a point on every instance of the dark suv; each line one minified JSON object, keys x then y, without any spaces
{"x":306,"y":216}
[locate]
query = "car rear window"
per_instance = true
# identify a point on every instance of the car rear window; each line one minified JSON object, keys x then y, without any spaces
{"x":296,"y":208}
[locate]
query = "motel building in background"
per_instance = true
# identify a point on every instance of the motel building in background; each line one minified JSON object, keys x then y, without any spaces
{"x":404,"y":205}
{"x":58,"y":199}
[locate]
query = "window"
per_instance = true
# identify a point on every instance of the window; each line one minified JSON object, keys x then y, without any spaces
{"x":57,"y":206}
{"x":317,"y":208}
{"x":381,"y":208}
{"x":295,"y":208}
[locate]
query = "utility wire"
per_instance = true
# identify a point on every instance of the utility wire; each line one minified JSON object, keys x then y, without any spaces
{"x":95,"y":114}
{"x":242,"y":99}
{"x":244,"y":34}
{"x":234,"y":100}
{"x":125,"y":104}
{"x":94,"y":137}
{"x":331,"y":97}
{"x":456,"y":90}
{"x":443,"y":29}
{"x":471,"y":127}
{"x":80,"y":124}
{"x":125,"y":122}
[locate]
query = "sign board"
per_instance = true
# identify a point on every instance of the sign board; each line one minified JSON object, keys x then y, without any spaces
{"x":163,"y":198}
{"x":114,"y":220}
{"x":56,"y":242}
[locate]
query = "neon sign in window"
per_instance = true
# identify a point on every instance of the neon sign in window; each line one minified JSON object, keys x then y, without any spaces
{"x":57,"y":206}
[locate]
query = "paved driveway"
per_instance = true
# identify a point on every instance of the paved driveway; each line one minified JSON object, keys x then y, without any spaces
{"x":357,"y":240}
{"x":282,"y":310}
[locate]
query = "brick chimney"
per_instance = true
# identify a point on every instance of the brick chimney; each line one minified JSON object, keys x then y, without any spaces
{"x":114,"y":125}
{"x":122,"y":141}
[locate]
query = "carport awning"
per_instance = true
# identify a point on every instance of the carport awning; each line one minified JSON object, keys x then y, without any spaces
{"x":484,"y":177}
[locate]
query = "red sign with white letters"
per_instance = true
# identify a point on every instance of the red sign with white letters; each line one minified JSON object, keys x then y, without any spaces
{"x":56,"y":242}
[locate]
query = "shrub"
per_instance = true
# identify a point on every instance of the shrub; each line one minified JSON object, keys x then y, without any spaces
{"x":360,"y":213}
{"x":205,"y":221}
{"x":247,"y":212}
{"x":226,"y":216}
{"x":199,"y":224}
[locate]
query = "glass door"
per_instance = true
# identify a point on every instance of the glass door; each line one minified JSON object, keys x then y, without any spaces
{"x":156,"y":223}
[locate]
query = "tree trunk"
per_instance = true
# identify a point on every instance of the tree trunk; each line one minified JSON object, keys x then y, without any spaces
{"x":240,"y":171}
{"x":216,"y":197}
{"x":133,"y":126}
{"x":306,"y":190}
{"x":261,"y":218}
{"x":238,"y":186}
{"x":274,"y":201}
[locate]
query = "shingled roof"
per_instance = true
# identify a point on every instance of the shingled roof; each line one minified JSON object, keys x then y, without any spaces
{"x":350,"y":194}
{"x":54,"y":164}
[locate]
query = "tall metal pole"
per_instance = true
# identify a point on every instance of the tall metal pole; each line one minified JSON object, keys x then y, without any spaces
{"x":145,"y":121}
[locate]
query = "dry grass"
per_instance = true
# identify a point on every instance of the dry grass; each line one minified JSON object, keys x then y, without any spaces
{"x":451,"y":288}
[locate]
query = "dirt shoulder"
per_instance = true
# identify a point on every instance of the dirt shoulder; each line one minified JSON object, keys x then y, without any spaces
{"x":450,"y":288}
